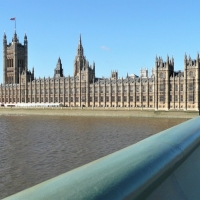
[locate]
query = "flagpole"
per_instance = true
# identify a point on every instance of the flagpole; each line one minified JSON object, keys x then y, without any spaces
{"x":15,"y":23}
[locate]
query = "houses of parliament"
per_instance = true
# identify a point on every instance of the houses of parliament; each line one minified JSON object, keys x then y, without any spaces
{"x":164,"y":89}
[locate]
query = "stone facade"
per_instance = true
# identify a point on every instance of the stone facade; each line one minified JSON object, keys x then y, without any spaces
{"x":165,"y":89}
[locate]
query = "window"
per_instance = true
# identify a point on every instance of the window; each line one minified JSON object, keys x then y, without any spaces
{"x":161,"y":98}
{"x":77,"y":99}
{"x":176,"y":97}
{"x":191,"y":74}
{"x":113,"y":98}
{"x":96,"y":99}
{"x":66,"y":99}
{"x":71,"y":99}
{"x":144,"y":89}
{"x":83,"y":99}
{"x":119,"y":89}
{"x":90,"y":99}
{"x":118,"y":98}
{"x":181,"y":87}
{"x":144,"y":98}
{"x":162,"y":87}
{"x":91,"y":89}
{"x":83,"y":90}
{"x":101,"y":99}
{"x":191,"y":87}
{"x":150,"y":98}
{"x":107,"y":89}
{"x":150,"y":88}
{"x":191,"y":98}
{"x":170,"y":98}
{"x":137,"y":98}
{"x":96,"y":89}
{"x":113,"y":89}
{"x":161,"y":75}
{"x":125,"y":98}
{"x":170,"y":87}
{"x":125,"y":88}
{"x":181,"y":98}
{"x":131,"y":88}
{"x":176,"y":87}
{"x":137,"y":89}
{"x":107,"y":99}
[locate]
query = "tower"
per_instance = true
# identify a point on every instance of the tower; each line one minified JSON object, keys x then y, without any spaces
{"x":58,"y":71}
{"x":81,"y":65}
{"x":80,"y":60}
{"x":15,"y":59}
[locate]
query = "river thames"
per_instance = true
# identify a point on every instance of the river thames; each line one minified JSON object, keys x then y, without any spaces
{"x":36,"y":148}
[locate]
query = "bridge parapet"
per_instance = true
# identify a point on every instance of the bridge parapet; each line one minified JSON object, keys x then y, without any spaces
{"x":163,"y":166}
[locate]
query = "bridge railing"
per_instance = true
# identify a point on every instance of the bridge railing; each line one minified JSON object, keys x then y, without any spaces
{"x":136,"y":172}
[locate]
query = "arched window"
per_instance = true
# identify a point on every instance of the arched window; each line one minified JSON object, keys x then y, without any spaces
{"x":161,"y":75}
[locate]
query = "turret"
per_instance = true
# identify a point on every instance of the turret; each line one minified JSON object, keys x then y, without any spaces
{"x":14,"y":39}
{"x":33,"y":72}
{"x":25,"y":39}
{"x":25,"y":52}
{"x":58,"y":71}
{"x":167,"y":60}
{"x":4,"y":38}
{"x":185,"y":61}
{"x":156,"y":62}
{"x":197,"y":57}
{"x":4,"y":58}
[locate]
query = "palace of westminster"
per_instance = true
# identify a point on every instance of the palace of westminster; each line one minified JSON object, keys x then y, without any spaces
{"x":165,"y":89}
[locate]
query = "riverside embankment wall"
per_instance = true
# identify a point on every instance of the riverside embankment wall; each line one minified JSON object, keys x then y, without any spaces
{"x":98,"y":112}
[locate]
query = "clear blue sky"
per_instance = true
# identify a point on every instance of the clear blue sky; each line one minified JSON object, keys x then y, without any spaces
{"x":123,"y":35}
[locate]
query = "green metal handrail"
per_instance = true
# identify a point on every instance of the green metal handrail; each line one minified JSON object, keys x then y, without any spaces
{"x":131,"y":173}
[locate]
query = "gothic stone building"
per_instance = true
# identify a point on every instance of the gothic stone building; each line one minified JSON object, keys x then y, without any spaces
{"x":165,"y":89}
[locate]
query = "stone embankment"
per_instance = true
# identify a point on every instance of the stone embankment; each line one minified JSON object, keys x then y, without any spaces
{"x":98,"y":112}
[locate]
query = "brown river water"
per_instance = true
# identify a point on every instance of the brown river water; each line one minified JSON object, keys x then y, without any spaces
{"x":36,"y":148}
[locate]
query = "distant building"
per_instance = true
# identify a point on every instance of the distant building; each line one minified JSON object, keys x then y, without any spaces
{"x":165,"y":89}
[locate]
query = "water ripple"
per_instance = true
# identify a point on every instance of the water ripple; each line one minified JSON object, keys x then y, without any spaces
{"x":36,"y":148}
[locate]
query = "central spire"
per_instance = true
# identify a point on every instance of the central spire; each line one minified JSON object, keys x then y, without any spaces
{"x":80,"y":43}
{"x":80,"y":48}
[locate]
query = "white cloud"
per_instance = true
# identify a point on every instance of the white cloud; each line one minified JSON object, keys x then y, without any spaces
{"x":105,"y":48}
